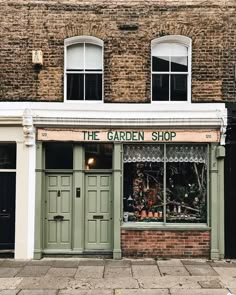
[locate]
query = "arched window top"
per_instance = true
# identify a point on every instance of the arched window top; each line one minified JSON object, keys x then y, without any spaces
{"x":177,"y":39}
{"x":83,"y":39}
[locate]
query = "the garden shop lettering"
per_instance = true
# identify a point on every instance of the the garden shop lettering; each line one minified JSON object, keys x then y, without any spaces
{"x":129,"y":135}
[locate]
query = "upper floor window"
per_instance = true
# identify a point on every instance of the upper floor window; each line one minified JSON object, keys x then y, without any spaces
{"x":171,"y":64}
{"x":83,"y":69}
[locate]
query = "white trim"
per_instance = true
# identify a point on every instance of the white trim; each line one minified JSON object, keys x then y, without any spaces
{"x":76,"y":40}
{"x":177,"y":39}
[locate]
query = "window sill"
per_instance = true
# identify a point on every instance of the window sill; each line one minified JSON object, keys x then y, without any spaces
{"x":161,"y":226}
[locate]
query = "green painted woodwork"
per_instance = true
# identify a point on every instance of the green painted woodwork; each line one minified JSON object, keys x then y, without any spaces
{"x":58,"y":204}
{"x":117,"y":199}
{"x":98,"y":217}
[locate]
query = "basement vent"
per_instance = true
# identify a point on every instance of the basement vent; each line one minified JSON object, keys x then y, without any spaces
{"x":128,"y":27}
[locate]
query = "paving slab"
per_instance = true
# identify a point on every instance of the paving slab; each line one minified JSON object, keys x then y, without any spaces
{"x":90,"y":272}
{"x":33,"y":271}
{"x":201,"y":270}
{"x":228,"y":282}
{"x":195,"y":261}
{"x":92,"y":262}
{"x":233,"y":291}
{"x":118,"y":263}
{"x":38,"y":292}
{"x":117,"y":272}
{"x":8,"y":272}
{"x":171,"y":262}
{"x":9,"y":292}
{"x":9,"y":283}
{"x":143,"y":262}
{"x":86,"y":292}
{"x":41,"y":262}
{"x":61,"y":272}
{"x":169,"y":282}
{"x":199,"y":292}
{"x":111,"y":283}
{"x":13,"y":263}
{"x":211,"y":284}
{"x":173,"y":271}
{"x":145,"y":271}
{"x":42,"y":283}
{"x":142,"y":292}
{"x":66,"y":263}
{"x":226,"y":271}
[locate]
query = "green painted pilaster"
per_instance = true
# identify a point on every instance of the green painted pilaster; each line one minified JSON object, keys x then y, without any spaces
{"x":38,"y":242}
{"x":117,"y":186}
{"x":220,"y":154}
{"x":78,"y":202}
{"x":217,"y":201}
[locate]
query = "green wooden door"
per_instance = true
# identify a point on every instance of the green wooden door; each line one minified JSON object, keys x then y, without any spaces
{"x":98,"y":217}
{"x":58,"y":211}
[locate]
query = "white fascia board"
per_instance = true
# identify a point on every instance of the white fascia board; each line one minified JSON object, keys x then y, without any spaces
{"x":117,"y":114}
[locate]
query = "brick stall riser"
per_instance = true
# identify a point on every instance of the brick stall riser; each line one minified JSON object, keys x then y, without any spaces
{"x":156,"y":243}
{"x":31,"y":25}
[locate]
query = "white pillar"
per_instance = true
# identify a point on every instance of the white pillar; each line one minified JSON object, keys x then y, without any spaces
{"x":25,"y":201}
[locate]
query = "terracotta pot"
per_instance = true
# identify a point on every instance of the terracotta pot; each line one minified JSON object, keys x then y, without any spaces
{"x":156,"y":215}
{"x":150,"y":214}
{"x":143,"y":214}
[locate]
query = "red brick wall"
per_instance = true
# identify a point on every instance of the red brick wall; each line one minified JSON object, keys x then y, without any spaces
{"x":156,"y":243}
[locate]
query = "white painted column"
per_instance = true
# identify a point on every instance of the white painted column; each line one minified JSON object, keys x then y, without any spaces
{"x":25,"y":201}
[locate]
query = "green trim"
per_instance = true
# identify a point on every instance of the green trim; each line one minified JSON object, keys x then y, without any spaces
{"x":38,"y":226}
{"x":166,"y":227}
{"x":117,"y":186}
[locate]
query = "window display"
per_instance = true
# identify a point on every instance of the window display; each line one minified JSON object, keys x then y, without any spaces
{"x":165,"y":183}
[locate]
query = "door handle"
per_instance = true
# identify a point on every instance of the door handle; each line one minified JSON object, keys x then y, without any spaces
{"x":58,"y":217}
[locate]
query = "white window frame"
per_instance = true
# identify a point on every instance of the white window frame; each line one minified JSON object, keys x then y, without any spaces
{"x":181,"y":40}
{"x":82,"y":40}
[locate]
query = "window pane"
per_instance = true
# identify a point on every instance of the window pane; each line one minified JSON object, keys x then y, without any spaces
{"x":7,"y":156}
{"x":160,"y":64}
{"x":143,"y":192}
{"x":186,"y":192}
{"x":178,"y":87}
{"x":160,"y":87}
{"x":93,"y":86}
{"x":179,"y":64}
{"x":75,"y":57}
{"x":98,"y":156}
{"x":93,"y":57}
{"x":59,"y":156}
{"x":75,"y":86}
{"x":178,"y":50}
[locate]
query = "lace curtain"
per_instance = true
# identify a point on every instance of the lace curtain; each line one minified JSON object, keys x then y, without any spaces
{"x":174,"y":153}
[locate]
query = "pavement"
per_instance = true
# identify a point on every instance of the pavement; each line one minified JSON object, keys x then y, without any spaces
{"x":81,"y":276}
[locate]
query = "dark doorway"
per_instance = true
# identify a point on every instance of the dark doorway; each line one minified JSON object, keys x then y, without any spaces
{"x":7,"y":195}
{"x":230,"y":189}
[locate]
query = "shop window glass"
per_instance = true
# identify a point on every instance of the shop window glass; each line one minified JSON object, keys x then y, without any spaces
{"x":7,"y":156}
{"x":165,"y":183}
{"x":59,"y":156}
{"x":98,"y":156}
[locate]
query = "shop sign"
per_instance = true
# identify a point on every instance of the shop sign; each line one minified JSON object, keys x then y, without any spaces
{"x":110,"y":135}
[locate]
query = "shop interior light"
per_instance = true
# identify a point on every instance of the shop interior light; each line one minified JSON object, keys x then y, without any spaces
{"x":91,"y":161}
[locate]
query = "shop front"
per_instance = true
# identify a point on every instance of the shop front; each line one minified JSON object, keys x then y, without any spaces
{"x":129,"y":192}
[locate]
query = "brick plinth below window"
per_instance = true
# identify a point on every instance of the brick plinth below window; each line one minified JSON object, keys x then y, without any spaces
{"x":171,"y":244}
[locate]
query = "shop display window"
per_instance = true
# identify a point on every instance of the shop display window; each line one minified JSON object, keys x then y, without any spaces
{"x":58,"y":155}
{"x":165,"y":183}
{"x":7,"y":156}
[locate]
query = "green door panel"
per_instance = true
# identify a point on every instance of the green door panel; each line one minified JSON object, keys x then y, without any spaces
{"x":98,"y":217}
{"x":58,"y":212}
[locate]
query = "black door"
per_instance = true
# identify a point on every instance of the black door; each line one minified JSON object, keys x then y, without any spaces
{"x":7,"y":210}
{"x":230,"y":187}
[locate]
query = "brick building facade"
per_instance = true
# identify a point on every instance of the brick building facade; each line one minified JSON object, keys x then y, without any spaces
{"x":132,"y":37}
